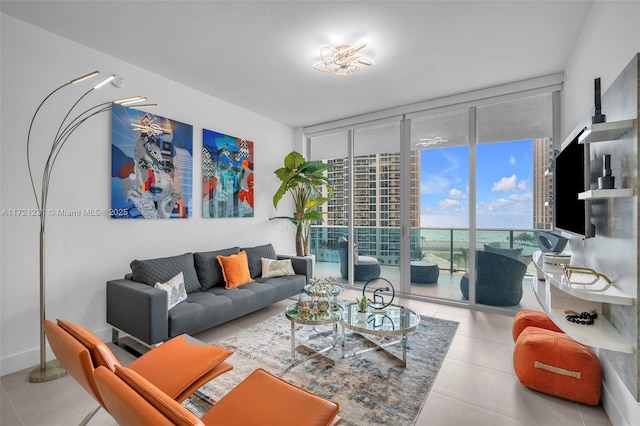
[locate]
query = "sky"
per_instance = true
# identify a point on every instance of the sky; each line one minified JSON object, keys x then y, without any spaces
{"x":504,"y":196}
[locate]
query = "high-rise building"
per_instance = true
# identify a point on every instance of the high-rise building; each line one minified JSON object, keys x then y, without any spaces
{"x":543,"y":155}
{"x":376,"y":204}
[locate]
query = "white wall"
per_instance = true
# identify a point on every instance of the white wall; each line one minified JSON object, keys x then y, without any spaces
{"x":84,"y":252}
{"x":609,"y":40}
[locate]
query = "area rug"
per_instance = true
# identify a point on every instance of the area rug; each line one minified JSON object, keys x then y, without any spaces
{"x":371,"y":388}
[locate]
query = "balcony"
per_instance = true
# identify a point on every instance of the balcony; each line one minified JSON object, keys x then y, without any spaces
{"x":447,"y":248}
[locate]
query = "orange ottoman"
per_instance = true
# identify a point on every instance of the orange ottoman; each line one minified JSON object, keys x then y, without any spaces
{"x":529,"y":318}
{"x":554,"y":363}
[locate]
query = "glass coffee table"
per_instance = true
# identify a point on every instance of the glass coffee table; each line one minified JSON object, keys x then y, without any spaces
{"x":394,"y":320}
{"x":331,"y":317}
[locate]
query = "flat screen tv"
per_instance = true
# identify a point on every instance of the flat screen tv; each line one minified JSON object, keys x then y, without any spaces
{"x":571,"y":178}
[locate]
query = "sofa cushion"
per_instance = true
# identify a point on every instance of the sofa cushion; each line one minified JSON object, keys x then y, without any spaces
{"x":176,"y":292}
{"x":276,"y":268}
{"x":235,"y":269}
{"x":255,"y":255}
{"x":208,"y":268}
{"x":162,"y":269}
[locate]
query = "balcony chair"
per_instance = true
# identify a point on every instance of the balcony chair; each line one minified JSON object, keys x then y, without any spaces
{"x":498,"y":279}
{"x":365,"y":267}
{"x":259,"y":399}
{"x":192,"y":364}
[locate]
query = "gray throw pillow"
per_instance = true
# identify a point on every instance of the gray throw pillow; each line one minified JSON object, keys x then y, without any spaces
{"x":208,"y":268}
{"x":512,"y":253}
{"x":162,"y":269}
{"x":255,"y":255}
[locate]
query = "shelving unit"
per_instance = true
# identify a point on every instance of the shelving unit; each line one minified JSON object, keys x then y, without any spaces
{"x":601,"y":132}
{"x":605,"y":193}
{"x":555,"y":297}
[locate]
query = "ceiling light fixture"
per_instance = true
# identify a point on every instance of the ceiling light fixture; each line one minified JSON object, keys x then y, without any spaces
{"x":426,"y":142}
{"x":342,"y":60}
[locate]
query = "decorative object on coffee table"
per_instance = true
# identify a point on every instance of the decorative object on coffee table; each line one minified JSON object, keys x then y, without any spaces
{"x":397,"y":321}
{"x":378,"y":304}
{"x":295,"y":314}
{"x":362,"y":304}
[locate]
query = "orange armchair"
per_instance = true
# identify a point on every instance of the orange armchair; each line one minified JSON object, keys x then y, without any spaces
{"x":260,"y":399}
{"x":80,"y":352}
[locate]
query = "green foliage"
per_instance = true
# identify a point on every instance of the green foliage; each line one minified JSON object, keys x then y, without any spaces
{"x":304,"y":180}
{"x":362,"y":303}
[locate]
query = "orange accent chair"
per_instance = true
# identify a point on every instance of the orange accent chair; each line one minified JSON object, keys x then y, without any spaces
{"x":260,"y":399}
{"x":177,"y":367}
{"x":554,"y":363}
{"x":529,"y":318}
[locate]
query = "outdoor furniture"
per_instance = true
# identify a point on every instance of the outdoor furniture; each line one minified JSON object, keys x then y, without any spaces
{"x":365,"y":267}
{"x":498,"y":279}
{"x":424,"y":272}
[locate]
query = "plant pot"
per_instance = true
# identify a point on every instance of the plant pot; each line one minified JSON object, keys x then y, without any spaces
{"x":361,"y":316}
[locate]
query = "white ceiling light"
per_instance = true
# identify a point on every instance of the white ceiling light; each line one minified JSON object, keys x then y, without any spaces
{"x":426,"y":142}
{"x":342,"y":60}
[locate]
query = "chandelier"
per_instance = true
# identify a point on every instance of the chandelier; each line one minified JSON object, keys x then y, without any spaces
{"x":342,"y":60}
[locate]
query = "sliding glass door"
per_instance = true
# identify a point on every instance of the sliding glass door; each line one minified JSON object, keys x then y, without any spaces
{"x":440,"y":214}
{"x":419,"y":199}
{"x":514,"y":149}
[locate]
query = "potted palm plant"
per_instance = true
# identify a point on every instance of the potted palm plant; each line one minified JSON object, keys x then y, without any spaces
{"x":305,"y":181}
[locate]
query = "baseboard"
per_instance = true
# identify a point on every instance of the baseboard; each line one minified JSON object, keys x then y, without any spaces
{"x":31,"y":359}
{"x":617,"y":401}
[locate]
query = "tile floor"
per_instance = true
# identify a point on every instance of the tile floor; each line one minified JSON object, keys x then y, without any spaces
{"x":475,"y":386}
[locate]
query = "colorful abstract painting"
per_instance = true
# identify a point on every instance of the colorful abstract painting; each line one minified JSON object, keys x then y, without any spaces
{"x":151,"y":166}
{"x":227,"y":176}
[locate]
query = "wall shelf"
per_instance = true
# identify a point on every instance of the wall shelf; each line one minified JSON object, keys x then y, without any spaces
{"x":605,"y":193}
{"x":555,"y":297}
{"x":601,"y":132}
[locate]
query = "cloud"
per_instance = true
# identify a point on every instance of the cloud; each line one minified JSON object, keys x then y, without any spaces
{"x":448,"y":204}
{"x":456,"y":193}
{"x":512,"y":160}
{"x":509,"y":184}
{"x":434,"y":184}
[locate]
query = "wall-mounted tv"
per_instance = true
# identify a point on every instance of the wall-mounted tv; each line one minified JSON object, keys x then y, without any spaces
{"x":571,"y":178}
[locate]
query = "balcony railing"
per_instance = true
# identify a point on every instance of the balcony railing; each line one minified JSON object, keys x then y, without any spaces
{"x":449,"y":248}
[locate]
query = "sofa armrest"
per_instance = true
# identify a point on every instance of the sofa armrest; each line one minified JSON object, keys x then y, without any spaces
{"x":301,"y":265}
{"x":138,"y":309}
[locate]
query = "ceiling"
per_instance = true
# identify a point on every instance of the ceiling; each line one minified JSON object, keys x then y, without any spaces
{"x":259,"y":55}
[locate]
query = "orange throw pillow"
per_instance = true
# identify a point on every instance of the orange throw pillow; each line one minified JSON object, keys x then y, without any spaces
{"x":235,"y":269}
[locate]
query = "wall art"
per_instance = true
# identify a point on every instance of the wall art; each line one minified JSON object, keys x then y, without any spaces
{"x":227,"y":176}
{"x":151,"y":166}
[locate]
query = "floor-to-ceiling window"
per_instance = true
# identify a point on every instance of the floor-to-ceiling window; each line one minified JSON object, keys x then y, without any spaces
{"x":514,"y":148}
{"x":440,"y":217}
{"x":421,"y":192}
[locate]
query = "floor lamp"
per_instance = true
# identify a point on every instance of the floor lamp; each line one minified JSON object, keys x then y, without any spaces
{"x":52,"y":370}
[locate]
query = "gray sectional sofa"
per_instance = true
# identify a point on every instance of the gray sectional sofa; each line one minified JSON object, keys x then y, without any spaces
{"x":135,"y":307}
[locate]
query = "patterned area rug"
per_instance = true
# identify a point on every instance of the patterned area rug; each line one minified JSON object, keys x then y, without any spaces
{"x":371,"y":388}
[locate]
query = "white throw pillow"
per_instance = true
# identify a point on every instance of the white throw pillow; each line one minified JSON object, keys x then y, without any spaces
{"x":175,"y":289}
{"x":276,"y":268}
